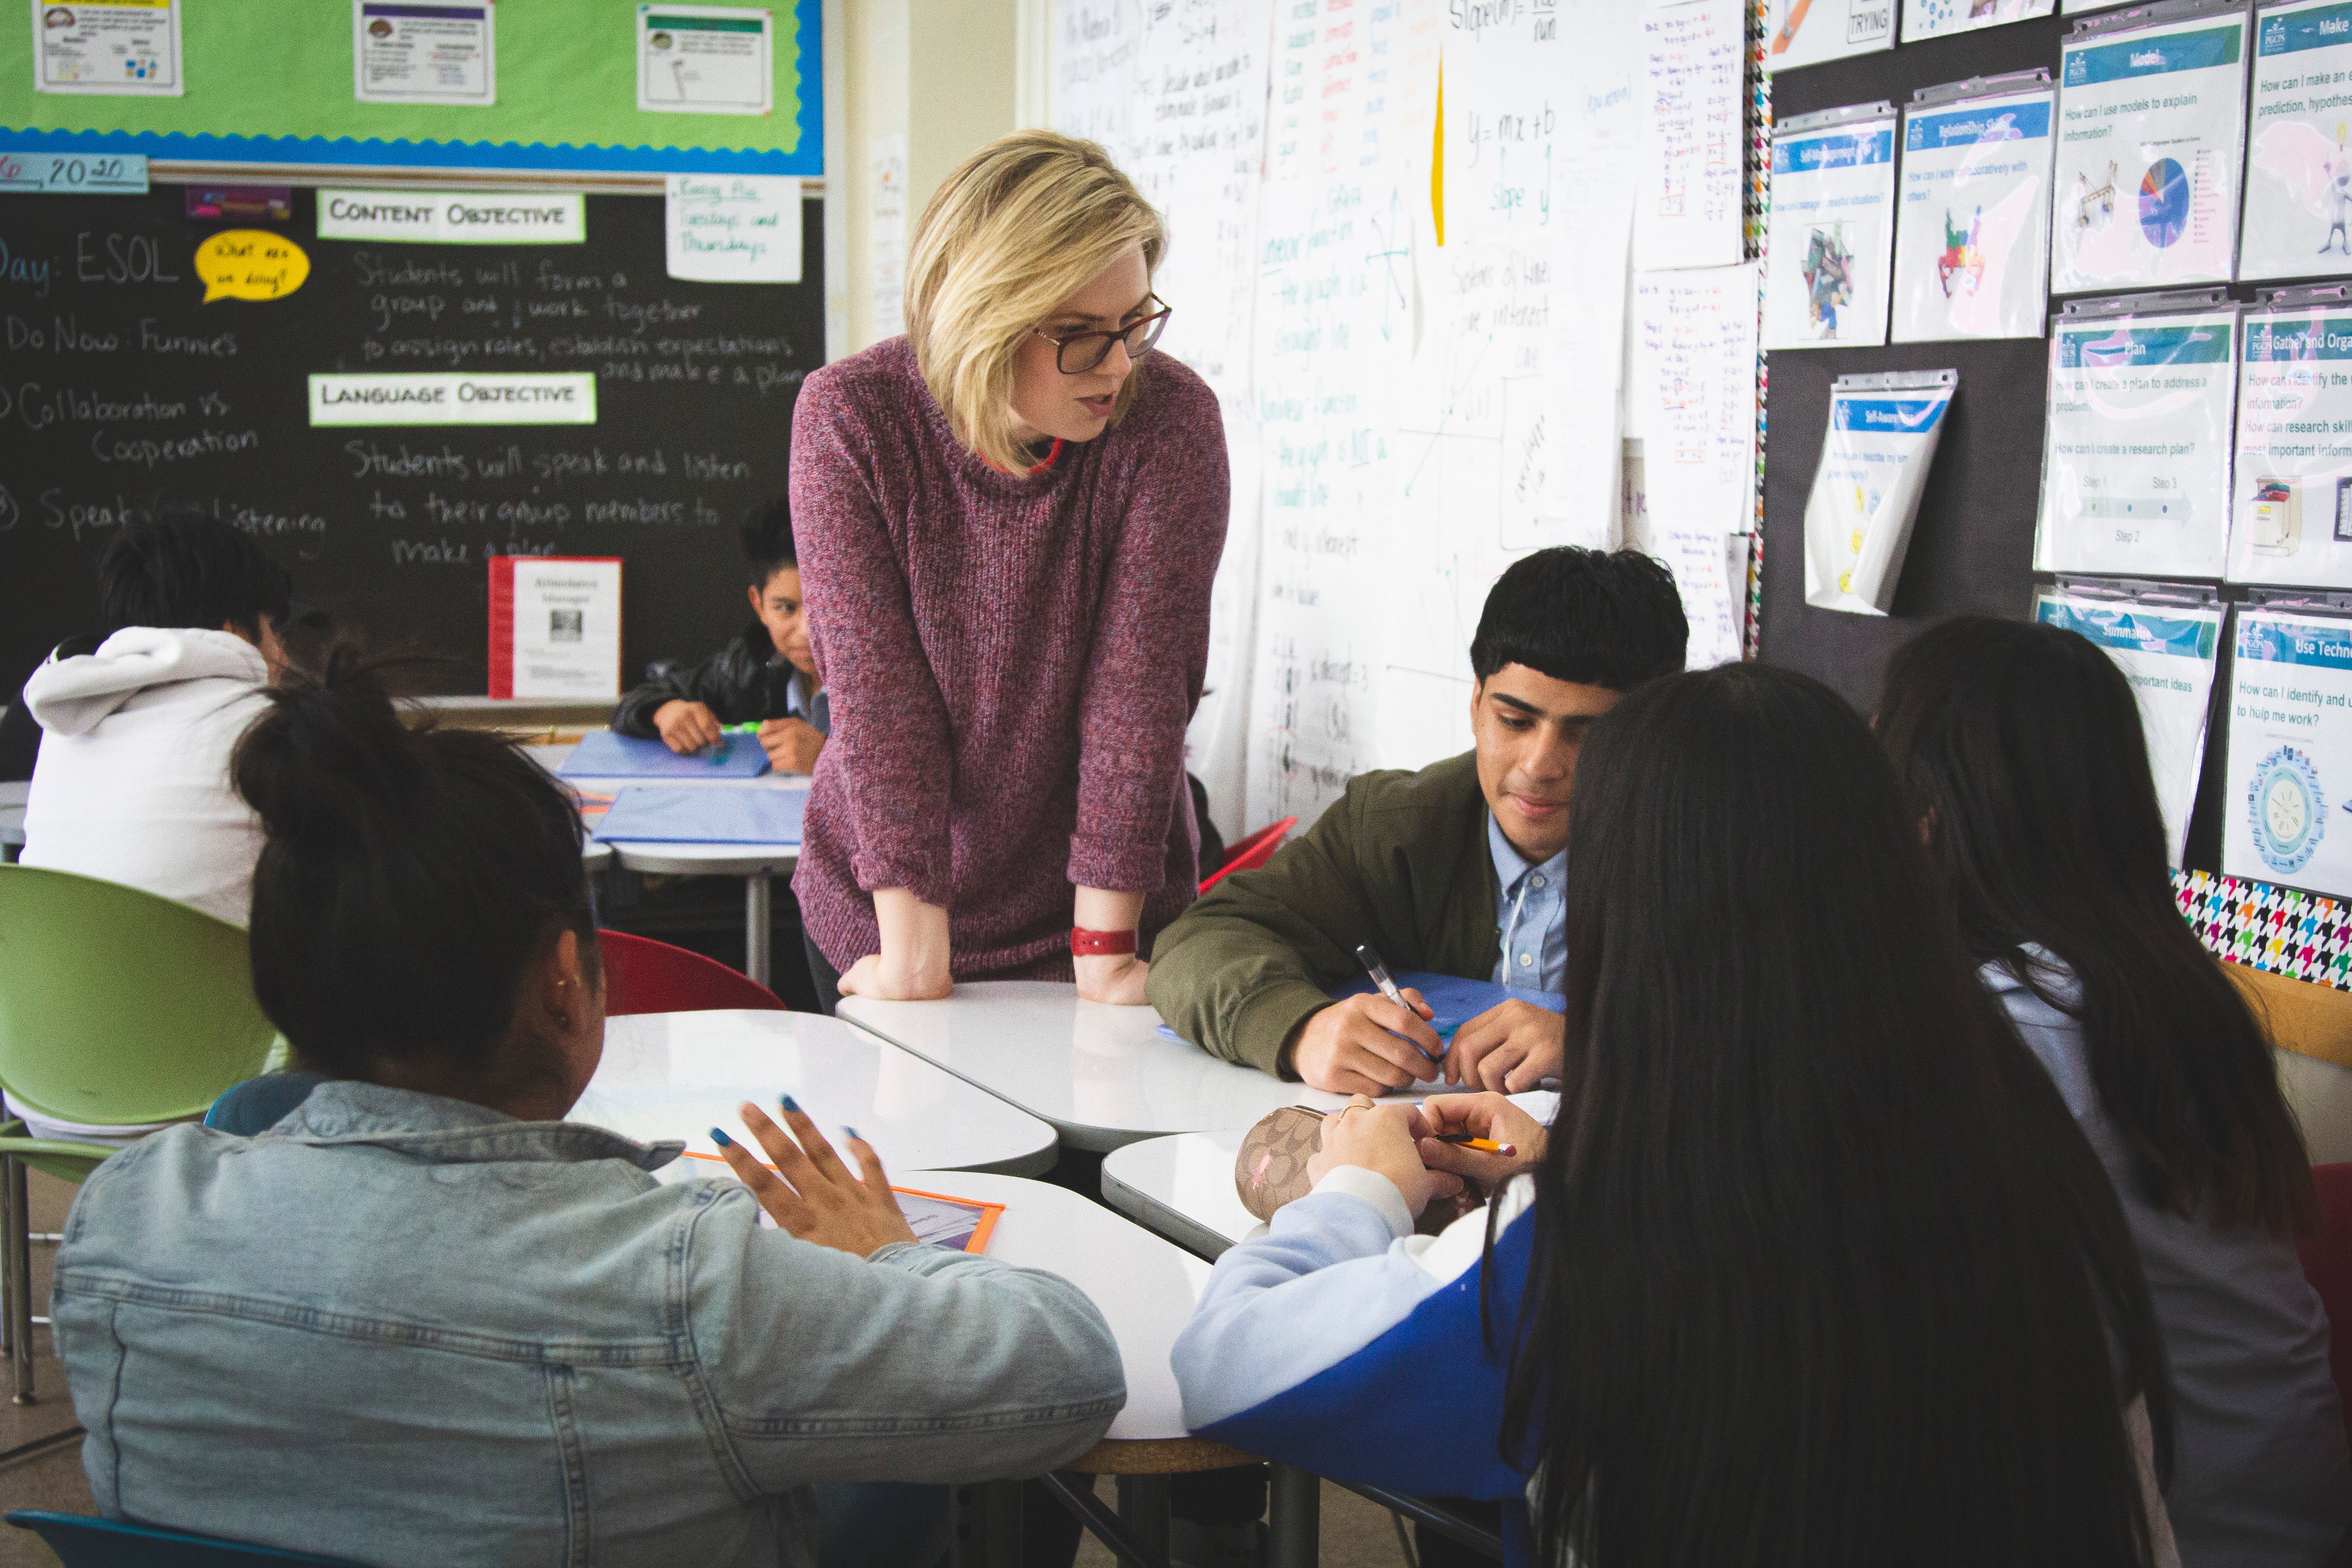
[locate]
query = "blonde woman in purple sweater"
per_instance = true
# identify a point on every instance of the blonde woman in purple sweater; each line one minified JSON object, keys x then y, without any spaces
{"x":1008,"y":521}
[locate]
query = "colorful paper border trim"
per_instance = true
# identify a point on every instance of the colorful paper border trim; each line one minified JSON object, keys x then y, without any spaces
{"x":2304,"y":936}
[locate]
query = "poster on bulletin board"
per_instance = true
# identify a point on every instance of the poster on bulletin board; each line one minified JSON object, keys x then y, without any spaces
{"x":1972,"y":236}
{"x":1806,"y":32}
{"x":2151,"y":125}
{"x":2285,"y":817}
{"x":2291,"y":521}
{"x":2298,"y":218}
{"x":1833,"y":218}
{"x":1933,"y":18}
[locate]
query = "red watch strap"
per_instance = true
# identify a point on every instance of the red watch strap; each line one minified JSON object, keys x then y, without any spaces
{"x":1084,"y":943}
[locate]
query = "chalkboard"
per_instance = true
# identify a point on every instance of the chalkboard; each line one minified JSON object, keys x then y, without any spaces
{"x":122,"y":390}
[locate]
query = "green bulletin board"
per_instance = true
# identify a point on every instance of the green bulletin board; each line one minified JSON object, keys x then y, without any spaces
{"x":269,"y":82}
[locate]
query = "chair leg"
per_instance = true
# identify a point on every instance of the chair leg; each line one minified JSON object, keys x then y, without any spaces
{"x":17,"y":1239}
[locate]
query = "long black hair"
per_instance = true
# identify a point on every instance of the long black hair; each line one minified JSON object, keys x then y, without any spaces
{"x":1823,"y":1275}
{"x":2021,"y":747}
{"x":408,"y":878}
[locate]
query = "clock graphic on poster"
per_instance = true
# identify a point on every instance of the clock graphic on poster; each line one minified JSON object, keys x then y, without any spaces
{"x":2287,"y":811}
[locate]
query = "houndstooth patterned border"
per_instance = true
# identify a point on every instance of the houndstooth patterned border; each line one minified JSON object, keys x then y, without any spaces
{"x":2304,"y":936}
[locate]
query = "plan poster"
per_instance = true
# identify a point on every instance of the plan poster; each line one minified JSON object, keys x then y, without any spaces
{"x":2166,"y":651}
{"x":1973,"y":239}
{"x":2135,"y":460}
{"x":2299,"y":167}
{"x":424,"y":54}
{"x":1805,"y":32}
{"x":1933,"y":18}
{"x":2284,"y":818}
{"x":2291,"y":519}
{"x":124,"y":47}
{"x":2151,"y":125}
{"x":1833,"y":229}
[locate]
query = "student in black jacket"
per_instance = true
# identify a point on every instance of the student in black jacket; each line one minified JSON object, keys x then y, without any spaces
{"x":766,"y":676}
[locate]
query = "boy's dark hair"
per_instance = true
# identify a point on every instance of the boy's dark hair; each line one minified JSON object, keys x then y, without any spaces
{"x":187,"y":568}
{"x":1591,"y":617}
{"x":768,"y":541}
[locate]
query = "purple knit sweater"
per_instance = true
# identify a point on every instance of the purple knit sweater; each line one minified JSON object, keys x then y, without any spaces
{"x":1012,"y":662}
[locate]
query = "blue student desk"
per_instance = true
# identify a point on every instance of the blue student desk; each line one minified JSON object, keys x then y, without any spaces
{"x":755,"y":863}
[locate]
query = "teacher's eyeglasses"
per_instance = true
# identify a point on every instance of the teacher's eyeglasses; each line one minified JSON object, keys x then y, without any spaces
{"x":1081,"y":352}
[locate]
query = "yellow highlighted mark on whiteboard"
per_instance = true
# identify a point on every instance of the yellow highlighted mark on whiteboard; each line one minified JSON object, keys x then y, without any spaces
{"x":250,"y":264}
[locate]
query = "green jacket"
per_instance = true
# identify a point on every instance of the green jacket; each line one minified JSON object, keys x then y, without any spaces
{"x":1401,"y":861}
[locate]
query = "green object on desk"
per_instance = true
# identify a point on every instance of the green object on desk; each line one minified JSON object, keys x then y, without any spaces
{"x":752,"y":729}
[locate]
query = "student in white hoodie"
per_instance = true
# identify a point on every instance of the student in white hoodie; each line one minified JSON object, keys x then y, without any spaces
{"x":131,"y":782}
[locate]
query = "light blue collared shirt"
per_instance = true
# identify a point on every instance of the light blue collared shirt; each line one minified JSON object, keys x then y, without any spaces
{"x":1535,"y":943}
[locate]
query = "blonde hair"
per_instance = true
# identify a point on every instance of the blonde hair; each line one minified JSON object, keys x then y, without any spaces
{"x":1024,"y":224}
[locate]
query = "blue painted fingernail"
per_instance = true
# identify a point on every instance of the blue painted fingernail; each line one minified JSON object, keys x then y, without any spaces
{"x":851,"y":1131}
{"x":722,"y":1139}
{"x":790,"y":1103}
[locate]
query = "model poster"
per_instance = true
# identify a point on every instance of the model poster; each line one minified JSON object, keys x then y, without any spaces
{"x":1972,"y":235}
{"x":2291,"y":521}
{"x":2165,"y":650}
{"x":2135,"y":460}
{"x":705,"y":60}
{"x":405,"y":53}
{"x":1803,"y":32}
{"x":2284,"y":818}
{"x":1880,"y":443}
{"x":126,"y":48}
{"x":1933,"y":18}
{"x":2299,"y":158}
{"x":1832,"y":228}
{"x":2151,"y":122}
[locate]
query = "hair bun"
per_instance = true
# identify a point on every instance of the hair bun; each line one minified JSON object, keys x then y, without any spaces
{"x":329,"y":756}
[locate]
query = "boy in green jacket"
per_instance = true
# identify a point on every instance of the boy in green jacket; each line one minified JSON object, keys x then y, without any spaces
{"x":1456,"y":868}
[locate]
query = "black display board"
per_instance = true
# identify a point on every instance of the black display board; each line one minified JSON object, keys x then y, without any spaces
{"x":1972,"y":548}
{"x":121,"y":390}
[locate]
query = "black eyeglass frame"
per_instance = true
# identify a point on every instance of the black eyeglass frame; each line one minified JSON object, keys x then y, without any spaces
{"x":1151,"y":326}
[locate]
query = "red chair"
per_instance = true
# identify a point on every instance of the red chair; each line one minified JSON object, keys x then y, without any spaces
{"x":2328,"y":1263}
{"x":642,"y":975}
{"x":1251,"y":852}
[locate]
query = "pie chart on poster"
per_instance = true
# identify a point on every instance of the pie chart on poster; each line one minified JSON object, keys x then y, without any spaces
{"x":2163,"y":203}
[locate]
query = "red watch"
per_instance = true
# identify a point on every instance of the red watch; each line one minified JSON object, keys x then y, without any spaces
{"x":1084,"y":943}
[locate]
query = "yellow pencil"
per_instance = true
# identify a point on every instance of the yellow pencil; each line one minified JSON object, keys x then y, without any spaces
{"x":1483,"y":1145}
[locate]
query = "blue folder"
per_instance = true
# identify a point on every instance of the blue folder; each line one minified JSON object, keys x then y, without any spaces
{"x":644,"y":812}
{"x":605,"y":755}
{"x":1455,"y":1001}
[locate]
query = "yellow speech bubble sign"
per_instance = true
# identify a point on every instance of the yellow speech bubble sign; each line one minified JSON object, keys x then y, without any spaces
{"x":250,"y":264}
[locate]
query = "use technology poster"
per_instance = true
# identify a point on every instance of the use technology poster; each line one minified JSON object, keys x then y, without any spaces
{"x":2291,"y":523}
{"x":1972,"y":233}
{"x":2290,"y":778}
{"x":2135,"y":460}
{"x":2151,"y":123}
{"x":2166,"y":652}
{"x":2298,"y":220}
{"x":1833,"y":214}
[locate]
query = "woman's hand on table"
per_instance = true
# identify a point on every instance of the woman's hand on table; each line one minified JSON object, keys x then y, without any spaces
{"x":792,"y":744}
{"x":1381,"y":1138}
{"x":811,"y":1191}
{"x":875,"y":976}
{"x":913,"y":965}
{"x":1117,"y":978}
{"x":1488,"y":1116}
{"x":687,"y":727}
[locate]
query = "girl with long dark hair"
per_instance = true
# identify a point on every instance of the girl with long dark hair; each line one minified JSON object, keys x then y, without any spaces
{"x":2023,"y":750}
{"x":1811,"y":1270}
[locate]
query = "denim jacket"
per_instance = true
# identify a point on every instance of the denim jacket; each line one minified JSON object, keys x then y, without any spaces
{"x":406,"y":1328}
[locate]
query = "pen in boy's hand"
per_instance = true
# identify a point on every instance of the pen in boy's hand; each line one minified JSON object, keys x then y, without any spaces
{"x":1483,"y":1145}
{"x":1388,"y":987}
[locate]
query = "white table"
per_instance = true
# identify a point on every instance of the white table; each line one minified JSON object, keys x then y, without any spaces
{"x":1103,"y":1076}
{"x":755,"y":863}
{"x":1182,"y":1187}
{"x":678,"y":1075}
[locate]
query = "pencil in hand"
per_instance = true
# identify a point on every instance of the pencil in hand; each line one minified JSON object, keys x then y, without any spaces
{"x":1483,"y":1145}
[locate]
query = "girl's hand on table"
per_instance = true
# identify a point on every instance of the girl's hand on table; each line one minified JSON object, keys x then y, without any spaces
{"x":1381,"y":1138}
{"x":811,"y":1193}
{"x":1488,"y":1116}
{"x":1117,"y":978}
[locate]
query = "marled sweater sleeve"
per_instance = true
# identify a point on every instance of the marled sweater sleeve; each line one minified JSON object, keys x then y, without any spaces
{"x":1151,"y":652}
{"x":890,"y":724}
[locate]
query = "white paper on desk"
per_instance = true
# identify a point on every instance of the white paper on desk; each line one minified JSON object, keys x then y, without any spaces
{"x":1691,"y":94}
{"x":733,"y":228}
{"x":1694,"y":387}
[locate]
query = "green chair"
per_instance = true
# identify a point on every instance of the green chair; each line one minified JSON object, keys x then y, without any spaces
{"x":117,"y":1008}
